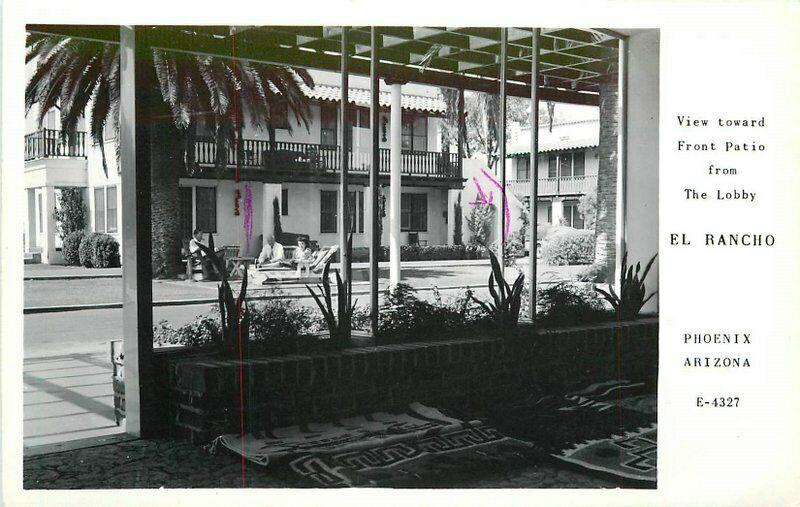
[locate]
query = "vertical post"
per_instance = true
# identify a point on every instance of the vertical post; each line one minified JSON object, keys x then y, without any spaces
{"x":622,"y":158}
{"x":374,"y":190}
{"x":395,"y":169}
{"x":534,"y":173}
{"x":501,"y":142}
{"x":137,"y":299}
{"x":461,"y":129}
{"x":344,"y":155}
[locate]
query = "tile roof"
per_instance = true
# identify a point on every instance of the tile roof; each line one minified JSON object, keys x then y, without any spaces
{"x":565,"y":136}
{"x":361,"y":97}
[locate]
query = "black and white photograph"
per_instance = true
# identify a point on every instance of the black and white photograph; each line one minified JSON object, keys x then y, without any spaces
{"x":352,"y":253}
{"x":480,"y":311}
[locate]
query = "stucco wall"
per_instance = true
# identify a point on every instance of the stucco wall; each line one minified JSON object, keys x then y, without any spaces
{"x":642,"y":177}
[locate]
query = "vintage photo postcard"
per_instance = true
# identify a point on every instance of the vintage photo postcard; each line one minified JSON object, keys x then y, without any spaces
{"x":400,"y":253}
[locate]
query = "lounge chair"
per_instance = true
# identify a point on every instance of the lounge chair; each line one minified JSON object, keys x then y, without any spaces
{"x":286,"y":273}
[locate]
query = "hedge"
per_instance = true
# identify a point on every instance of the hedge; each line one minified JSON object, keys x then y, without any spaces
{"x":98,"y":250}
{"x":70,"y":246}
{"x":570,"y":246}
{"x":425,"y":253}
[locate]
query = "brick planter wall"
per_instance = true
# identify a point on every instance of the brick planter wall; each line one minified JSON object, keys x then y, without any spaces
{"x":466,"y":375}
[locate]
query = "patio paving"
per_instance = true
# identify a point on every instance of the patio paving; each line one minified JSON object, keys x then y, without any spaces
{"x":67,"y":397}
{"x":175,"y":464}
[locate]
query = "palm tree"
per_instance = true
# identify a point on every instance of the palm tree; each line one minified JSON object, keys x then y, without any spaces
{"x":184,"y":94}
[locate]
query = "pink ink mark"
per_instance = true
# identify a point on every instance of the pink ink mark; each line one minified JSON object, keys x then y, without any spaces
{"x":248,"y":216}
{"x":482,"y":200}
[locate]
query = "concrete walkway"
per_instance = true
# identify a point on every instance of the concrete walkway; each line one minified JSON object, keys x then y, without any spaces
{"x":57,"y":272}
{"x":67,"y":397}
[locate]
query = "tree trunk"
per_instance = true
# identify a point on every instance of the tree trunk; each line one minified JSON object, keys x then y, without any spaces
{"x":606,"y":219}
{"x":166,"y":162}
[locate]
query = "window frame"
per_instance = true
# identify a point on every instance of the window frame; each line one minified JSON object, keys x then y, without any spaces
{"x":409,"y":132}
{"x":211,"y":209}
{"x":280,"y":118}
{"x":526,"y":163}
{"x":284,"y":202}
{"x":325,"y":126}
{"x":410,"y":209}
{"x":325,"y":198}
{"x":116,"y":210}
{"x":99,"y":212}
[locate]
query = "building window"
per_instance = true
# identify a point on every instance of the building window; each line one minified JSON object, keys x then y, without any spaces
{"x":327,"y":211}
{"x":186,"y":212}
{"x":206,"y":208}
{"x":550,"y":213}
{"x":523,"y":168}
{"x":111,"y":209}
{"x":552,"y":166}
{"x":41,"y":222}
{"x":328,"y":122}
{"x":279,"y":115}
{"x":284,"y":201}
{"x":578,"y":163}
{"x":414,"y":212}
{"x":355,"y":211}
{"x":415,"y":133}
{"x":572,"y":216}
{"x":99,"y":210}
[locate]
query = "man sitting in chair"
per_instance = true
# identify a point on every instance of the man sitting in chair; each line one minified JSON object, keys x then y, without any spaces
{"x":199,"y":257}
{"x":272,"y":254}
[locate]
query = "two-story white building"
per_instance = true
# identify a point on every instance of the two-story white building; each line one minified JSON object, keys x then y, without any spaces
{"x":568,"y":164}
{"x":299,"y":171}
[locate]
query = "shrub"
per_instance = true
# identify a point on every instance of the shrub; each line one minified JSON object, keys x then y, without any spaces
{"x":71,"y":213}
{"x":479,"y":223}
{"x":105,"y":252}
{"x":588,"y":208}
{"x":569,"y":304}
{"x":573,"y":246}
{"x":404,"y":317}
{"x":203,"y":330}
{"x":426,"y":253}
{"x":70,"y":246}
{"x":457,"y":232}
{"x":86,"y":249}
{"x":594,"y":273}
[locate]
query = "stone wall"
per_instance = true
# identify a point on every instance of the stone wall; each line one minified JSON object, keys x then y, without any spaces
{"x":468,"y":376}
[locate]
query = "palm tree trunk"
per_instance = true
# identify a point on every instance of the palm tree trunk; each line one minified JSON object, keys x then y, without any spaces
{"x":166,"y":163}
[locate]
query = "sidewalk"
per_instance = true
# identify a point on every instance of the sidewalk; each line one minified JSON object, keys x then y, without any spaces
{"x":67,"y":397}
{"x":58,"y":272}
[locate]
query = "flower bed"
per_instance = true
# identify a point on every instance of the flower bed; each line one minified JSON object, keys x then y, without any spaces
{"x":468,"y":375}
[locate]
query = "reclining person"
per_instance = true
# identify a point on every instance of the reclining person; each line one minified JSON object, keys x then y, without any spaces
{"x":272,"y":254}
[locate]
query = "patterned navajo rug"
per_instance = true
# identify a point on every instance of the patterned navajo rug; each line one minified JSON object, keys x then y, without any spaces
{"x":360,"y":451}
{"x":607,"y":429}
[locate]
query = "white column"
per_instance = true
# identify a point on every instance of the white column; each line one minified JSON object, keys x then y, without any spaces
{"x":558,"y":210}
{"x":452,"y":200}
{"x":272,"y":191}
{"x":49,"y":254}
{"x":395,"y":169}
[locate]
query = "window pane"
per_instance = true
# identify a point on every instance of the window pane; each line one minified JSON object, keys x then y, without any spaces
{"x":578,"y":164}
{"x":420,"y":143}
{"x":186,"y":213}
{"x":327,"y":211}
{"x":408,"y":143}
{"x":111,"y":206}
{"x":552,"y":166}
{"x":284,"y":201}
{"x":360,"y":211}
{"x":279,"y":115}
{"x":329,"y":124}
{"x":565,"y":164}
{"x":99,"y":210}
{"x":405,"y":212}
{"x":523,"y":166}
{"x":206,"y":208}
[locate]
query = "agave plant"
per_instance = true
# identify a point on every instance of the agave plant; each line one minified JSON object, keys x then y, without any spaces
{"x":632,"y":290}
{"x":340,"y":322}
{"x":234,"y":313}
{"x":504,"y":312}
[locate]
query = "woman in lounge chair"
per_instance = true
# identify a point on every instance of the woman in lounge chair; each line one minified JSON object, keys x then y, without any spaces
{"x":303,"y":257}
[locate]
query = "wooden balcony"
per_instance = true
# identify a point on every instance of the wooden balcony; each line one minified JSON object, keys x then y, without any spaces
{"x":548,"y":187}
{"x":320,"y":159}
{"x":47,"y":143}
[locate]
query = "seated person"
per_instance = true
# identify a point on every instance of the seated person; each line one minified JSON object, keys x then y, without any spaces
{"x":303,"y":257}
{"x":272,"y":254}
{"x":198,"y":256}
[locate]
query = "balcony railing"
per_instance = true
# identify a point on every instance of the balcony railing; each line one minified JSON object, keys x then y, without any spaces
{"x":564,"y":185}
{"x":322,"y":159}
{"x":47,"y":143}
